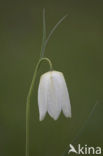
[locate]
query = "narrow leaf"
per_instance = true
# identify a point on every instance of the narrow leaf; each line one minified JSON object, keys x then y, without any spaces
{"x":54,"y":28}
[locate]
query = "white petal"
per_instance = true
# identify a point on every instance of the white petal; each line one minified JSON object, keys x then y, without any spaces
{"x":42,"y":97}
{"x":54,"y":95}
{"x":66,"y":106}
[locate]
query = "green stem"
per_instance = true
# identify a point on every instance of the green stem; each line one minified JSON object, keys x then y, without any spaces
{"x":28,"y":100}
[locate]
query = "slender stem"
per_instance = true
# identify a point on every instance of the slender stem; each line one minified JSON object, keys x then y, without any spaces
{"x":28,"y":100}
{"x":44,"y":35}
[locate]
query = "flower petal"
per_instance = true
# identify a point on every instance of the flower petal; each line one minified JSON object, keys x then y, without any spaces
{"x":66,"y":106}
{"x":42,"y":96}
{"x":54,"y":104}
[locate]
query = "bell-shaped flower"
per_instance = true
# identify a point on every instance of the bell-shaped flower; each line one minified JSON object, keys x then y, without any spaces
{"x":53,"y":96}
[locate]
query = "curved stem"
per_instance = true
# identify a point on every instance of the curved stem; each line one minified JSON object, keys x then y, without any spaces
{"x":28,"y":100}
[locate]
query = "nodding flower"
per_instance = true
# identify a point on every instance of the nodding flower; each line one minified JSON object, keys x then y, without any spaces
{"x":53,"y":96}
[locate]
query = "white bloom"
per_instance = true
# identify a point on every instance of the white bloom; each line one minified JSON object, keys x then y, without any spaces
{"x":53,"y":95}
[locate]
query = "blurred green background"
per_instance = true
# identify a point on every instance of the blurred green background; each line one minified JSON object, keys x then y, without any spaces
{"x":76,"y":49}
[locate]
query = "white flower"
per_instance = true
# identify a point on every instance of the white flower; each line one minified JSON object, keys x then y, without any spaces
{"x":53,"y":95}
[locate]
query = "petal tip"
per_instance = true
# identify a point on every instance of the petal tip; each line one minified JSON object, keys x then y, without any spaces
{"x":55,"y":118}
{"x":68,"y":114}
{"x":41,"y":117}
